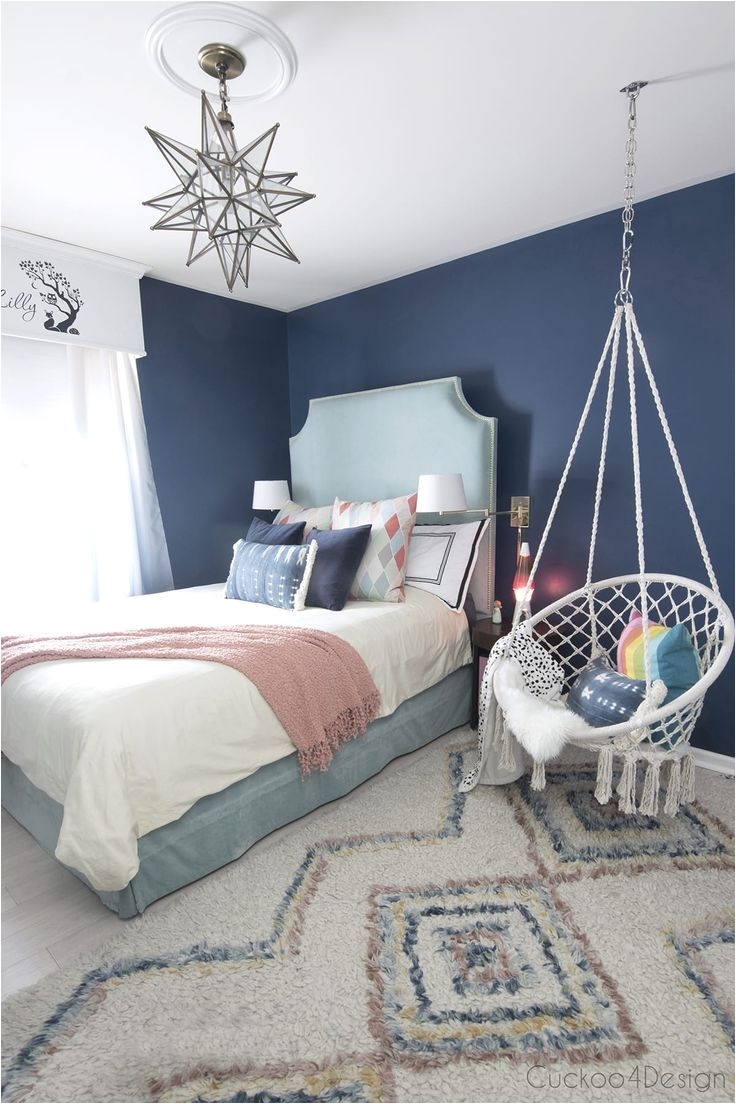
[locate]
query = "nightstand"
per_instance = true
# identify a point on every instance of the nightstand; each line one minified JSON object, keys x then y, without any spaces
{"x":483,"y":635}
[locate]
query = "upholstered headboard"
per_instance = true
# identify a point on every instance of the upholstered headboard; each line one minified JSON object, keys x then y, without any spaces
{"x":375,"y":444}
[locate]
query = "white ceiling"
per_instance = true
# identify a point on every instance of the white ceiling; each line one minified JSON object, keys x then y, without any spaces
{"x":428,"y":130}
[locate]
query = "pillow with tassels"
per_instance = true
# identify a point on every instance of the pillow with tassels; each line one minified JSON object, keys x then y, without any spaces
{"x":272,"y":574}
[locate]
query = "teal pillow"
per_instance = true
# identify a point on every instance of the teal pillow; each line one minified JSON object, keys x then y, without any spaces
{"x":672,"y":657}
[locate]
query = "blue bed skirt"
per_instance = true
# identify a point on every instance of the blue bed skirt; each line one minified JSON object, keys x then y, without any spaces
{"x":222,"y":826}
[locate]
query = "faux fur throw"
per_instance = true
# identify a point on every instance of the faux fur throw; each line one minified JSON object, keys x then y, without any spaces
{"x":542,"y":727}
{"x":317,"y":685}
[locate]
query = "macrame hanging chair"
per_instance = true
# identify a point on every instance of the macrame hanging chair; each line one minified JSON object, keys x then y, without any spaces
{"x":589,"y":622}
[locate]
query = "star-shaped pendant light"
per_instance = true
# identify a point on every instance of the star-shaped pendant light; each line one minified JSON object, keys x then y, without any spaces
{"x":226,"y":198}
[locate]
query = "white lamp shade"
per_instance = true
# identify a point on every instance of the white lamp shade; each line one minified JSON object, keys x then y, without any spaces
{"x":270,"y":494}
{"x":441,"y":494}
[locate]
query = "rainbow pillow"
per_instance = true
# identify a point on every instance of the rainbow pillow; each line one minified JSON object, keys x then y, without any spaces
{"x":672,"y":657}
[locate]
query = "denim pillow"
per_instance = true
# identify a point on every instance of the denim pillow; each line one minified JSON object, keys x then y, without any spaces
{"x":601,"y":696}
{"x":273,"y":574}
{"x":340,"y":553}
{"x":262,"y":532}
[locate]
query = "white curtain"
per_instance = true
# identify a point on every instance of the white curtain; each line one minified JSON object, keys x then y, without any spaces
{"x":82,"y":519}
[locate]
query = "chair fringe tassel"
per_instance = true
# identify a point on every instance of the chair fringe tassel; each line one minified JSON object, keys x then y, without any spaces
{"x":504,"y":737}
{"x":680,"y":781}
{"x":539,"y":780}
{"x":674,"y":789}
{"x":687,"y":792}
{"x":649,"y":804}
{"x":627,"y":786}
{"x":604,"y":781}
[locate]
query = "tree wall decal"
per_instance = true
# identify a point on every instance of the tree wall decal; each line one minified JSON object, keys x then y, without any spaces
{"x":60,"y":296}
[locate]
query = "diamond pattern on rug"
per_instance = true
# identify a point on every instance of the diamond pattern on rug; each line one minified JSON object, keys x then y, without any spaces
{"x":283,"y":941}
{"x":482,"y":958}
{"x":365,"y":1077}
{"x":705,"y":953}
{"x":485,"y":970}
{"x":270,"y":985}
{"x":571,"y":836}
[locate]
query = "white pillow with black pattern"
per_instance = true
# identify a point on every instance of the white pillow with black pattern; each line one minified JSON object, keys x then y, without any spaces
{"x":543,"y":678}
{"x":543,"y":675}
{"x":442,"y":557}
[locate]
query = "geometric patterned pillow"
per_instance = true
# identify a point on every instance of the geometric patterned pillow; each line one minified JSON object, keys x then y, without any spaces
{"x":316,"y":517}
{"x":380,"y":575}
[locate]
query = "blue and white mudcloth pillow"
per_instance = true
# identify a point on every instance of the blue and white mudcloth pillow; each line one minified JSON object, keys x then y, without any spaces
{"x":273,"y":574}
{"x":603,"y":697}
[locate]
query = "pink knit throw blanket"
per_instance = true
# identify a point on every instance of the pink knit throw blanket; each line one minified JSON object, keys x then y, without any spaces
{"x":317,"y":685}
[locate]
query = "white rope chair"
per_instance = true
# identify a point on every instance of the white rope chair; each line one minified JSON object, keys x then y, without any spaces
{"x":589,"y":622}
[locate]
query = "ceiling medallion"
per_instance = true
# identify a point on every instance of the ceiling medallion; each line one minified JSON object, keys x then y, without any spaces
{"x":225,"y":198}
{"x":172,"y":39}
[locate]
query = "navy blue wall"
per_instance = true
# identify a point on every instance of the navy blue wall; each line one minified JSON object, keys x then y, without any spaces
{"x":214,"y":387}
{"x":523,"y":325}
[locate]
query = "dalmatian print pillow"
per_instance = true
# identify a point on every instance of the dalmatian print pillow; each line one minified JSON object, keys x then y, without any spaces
{"x":543,"y":676}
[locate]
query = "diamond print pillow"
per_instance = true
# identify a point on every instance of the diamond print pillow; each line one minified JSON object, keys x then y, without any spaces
{"x":380,"y":575}
{"x":316,"y":517}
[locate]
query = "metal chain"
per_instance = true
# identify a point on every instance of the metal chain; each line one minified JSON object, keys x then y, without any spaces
{"x":222,"y":70}
{"x":623,"y":295}
{"x":223,"y":114}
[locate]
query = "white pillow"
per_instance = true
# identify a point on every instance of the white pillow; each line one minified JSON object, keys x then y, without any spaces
{"x":442,"y":557}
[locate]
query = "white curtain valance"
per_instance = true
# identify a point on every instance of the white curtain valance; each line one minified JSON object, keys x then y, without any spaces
{"x":56,"y":292}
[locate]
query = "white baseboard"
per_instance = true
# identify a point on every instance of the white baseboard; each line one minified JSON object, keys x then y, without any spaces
{"x":712,"y":760}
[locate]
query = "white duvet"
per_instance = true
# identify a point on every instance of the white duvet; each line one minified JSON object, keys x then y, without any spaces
{"x":127,"y":745}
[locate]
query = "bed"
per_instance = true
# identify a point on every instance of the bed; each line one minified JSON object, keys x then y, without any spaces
{"x":186,"y":810}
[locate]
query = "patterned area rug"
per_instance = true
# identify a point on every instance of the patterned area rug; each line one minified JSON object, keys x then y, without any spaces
{"x":416,"y":944}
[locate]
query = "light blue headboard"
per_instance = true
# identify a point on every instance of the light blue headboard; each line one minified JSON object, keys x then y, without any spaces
{"x":376,"y":444}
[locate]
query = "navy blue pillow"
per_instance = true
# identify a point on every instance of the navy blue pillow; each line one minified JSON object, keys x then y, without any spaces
{"x":262,"y":532}
{"x":338,"y":559}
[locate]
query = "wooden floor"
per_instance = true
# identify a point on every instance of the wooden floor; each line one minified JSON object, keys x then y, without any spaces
{"x":48,"y":915}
